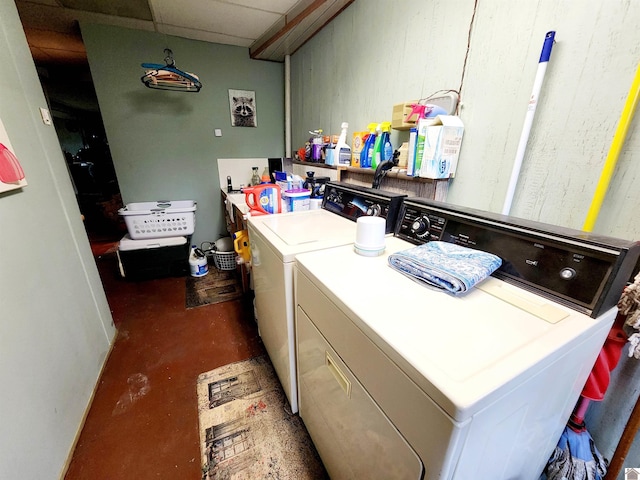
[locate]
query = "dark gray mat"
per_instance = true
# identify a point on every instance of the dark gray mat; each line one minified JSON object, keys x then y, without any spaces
{"x":215,"y":287}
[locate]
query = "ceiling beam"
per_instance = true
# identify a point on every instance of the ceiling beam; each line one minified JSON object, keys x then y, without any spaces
{"x":307,"y":10}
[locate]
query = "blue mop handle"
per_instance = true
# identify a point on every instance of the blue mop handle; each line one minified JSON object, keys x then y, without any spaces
{"x":546,"y":47}
{"x":528,"y":120}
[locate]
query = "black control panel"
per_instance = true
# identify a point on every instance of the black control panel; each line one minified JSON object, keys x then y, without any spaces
{"x":584,"y":271}
{"x":353,"y":201}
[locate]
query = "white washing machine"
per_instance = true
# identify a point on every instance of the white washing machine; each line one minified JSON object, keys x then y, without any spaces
{"x":274,"y":242}
{"x":400,"y":381}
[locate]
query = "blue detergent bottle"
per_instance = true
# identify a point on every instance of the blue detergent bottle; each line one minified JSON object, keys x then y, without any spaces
{"x":366,"y":154}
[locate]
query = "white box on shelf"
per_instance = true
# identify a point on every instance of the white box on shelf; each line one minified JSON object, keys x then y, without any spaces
{"x":438,"y":146}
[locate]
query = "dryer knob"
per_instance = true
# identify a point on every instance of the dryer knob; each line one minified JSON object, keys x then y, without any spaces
{"x":420,"y":227}
{"x":374,"y":210}
{"x":567,"y":273}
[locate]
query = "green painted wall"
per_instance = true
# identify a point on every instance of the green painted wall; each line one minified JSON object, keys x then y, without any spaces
{"x":163,"y":143}
{"x":377,"y":53}
{"x":55,"y":323}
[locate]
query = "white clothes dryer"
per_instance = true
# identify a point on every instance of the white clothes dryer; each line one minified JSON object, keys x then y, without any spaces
{"x":275,"y":240}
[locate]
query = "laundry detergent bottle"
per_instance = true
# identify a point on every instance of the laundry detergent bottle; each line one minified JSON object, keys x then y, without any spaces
{"x":367,"y":147}
{"x":263,"y":199}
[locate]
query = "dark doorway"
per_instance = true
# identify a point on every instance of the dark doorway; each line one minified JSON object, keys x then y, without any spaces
{"x":76,"y":117}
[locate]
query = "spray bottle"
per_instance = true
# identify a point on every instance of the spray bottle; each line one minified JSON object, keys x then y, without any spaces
{"x":382,"y":149}
{"x":376,"y":156}
{"x":386,"y":148}
{"x":342,"y":152}
{"x":367,"y":148}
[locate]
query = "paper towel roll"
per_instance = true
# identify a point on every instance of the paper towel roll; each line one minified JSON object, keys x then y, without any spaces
{"x":370,"y":233}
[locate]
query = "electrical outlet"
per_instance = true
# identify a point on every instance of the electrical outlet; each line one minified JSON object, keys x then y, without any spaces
{"x":217,"y":132}
{"x":46,"y":116}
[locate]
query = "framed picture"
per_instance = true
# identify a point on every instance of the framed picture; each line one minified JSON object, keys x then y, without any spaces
{"x":11,"y":173}
{"x":242,"y":104}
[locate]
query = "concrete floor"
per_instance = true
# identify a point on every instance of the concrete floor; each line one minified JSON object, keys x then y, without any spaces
{"x":143,"y":421}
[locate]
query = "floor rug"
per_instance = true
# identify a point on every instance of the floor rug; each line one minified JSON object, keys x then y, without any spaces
{"x":247,"y":430}
{"x":215,"y":287}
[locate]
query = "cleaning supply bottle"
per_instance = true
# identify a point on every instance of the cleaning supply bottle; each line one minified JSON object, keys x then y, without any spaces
{"x":316,"y":145}
{"x":342,"y":151}
{"x":382,"y":149}
{"x":255,"y":179}
{"x":386,"y":147}
{"x":198,"y":265}
{"x":263,"y":199}
{"x":329,"y":151}
{"x":241,"y":245}
{"x":376,"y":156}
{"x":367,"y":146}
{"x":265,"y":177}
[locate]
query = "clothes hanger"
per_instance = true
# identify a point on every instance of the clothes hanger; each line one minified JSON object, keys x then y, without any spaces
{"x":169,"y":77}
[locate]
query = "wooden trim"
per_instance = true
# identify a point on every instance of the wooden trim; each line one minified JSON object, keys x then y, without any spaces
{"x":255,"y":53}
{"x":322,"y":26}
{"x":288,"y":26}
{"x":72,"y":450}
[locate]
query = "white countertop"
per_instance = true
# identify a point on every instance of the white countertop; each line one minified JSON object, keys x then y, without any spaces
{"x":237,"y":200}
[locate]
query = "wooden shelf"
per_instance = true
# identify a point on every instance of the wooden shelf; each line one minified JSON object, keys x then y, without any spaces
{"x":390,"y":174}
{"x":315,"y":164}
{"x":392,"y":181}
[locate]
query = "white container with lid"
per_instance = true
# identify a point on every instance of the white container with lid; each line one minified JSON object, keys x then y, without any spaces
{"x":296,"y":200}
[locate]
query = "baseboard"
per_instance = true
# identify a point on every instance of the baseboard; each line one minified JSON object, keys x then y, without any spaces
{"x":67,"y":463}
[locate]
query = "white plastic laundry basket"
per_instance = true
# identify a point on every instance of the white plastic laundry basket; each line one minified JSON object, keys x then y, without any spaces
{"x":159,"y":219}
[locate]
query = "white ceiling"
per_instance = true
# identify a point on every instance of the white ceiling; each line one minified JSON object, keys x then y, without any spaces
{"x":270,"y":29}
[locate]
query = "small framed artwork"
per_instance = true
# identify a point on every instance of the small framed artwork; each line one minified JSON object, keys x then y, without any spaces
{"x":242,"y":104}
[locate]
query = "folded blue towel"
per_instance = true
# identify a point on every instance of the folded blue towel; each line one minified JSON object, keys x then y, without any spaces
{"x":445,"y":266}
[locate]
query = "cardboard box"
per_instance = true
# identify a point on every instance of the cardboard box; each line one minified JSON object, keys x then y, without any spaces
{"x":404,"y":156}
{"x":356,"y":147}
{"x":400,"y":113}
{"x":438,"y":146}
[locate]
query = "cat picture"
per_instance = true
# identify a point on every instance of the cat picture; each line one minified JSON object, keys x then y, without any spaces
{"x":243,"y":108}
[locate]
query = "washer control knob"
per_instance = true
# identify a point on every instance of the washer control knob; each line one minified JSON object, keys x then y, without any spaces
{"x":420,"y":227}
{"x":567,"y":273}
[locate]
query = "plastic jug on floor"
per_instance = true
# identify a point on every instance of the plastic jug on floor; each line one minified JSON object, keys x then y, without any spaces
{"x":198,"y":265}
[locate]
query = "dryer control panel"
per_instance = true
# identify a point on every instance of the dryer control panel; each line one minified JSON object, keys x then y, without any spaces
{"x":353,"y":201}
{"x":583,"y":271}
